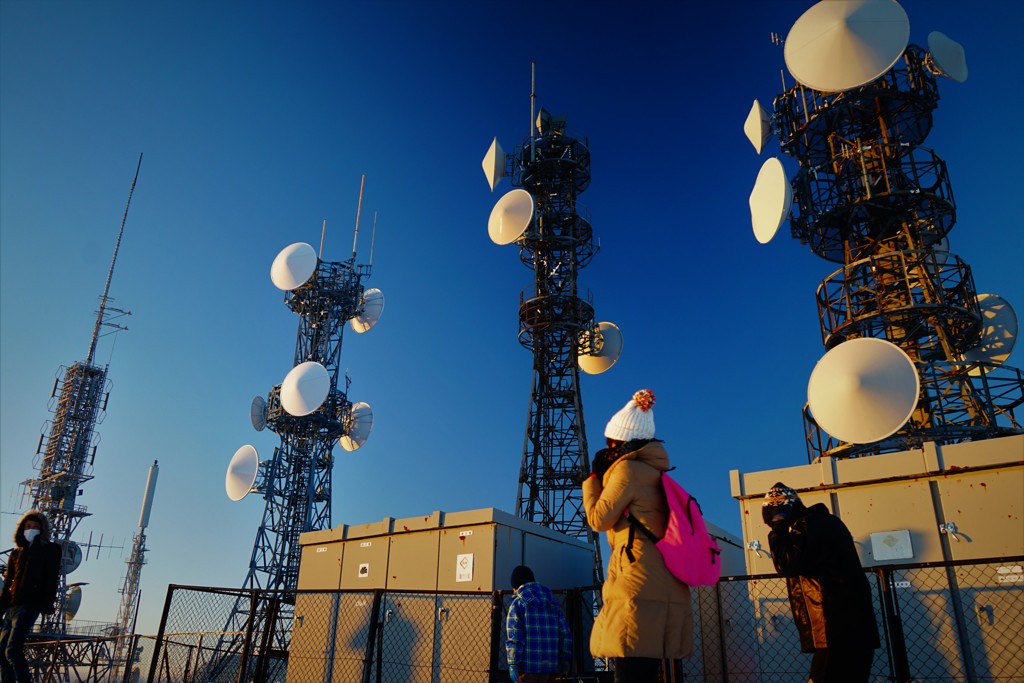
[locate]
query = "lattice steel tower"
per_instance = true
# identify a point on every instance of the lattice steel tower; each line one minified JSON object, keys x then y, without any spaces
{"x":80,"y":394}
{"x":553,"y":168}
{"x":871,"y":198}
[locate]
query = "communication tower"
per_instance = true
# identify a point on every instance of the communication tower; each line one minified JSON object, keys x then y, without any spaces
{"x":551,"y":170}
{"x":68,"y":447}
{"x":913,"y":352}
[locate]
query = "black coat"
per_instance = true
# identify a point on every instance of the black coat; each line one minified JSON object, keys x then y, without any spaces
{"x":33,"y":571}
{"x":829,"y":593}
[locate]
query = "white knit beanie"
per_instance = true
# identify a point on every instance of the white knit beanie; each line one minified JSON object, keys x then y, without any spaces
{"x":635,"y":420}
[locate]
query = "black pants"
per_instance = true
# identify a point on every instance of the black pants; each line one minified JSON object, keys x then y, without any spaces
{"x":841,"y":666}
{"x":636,"y":669}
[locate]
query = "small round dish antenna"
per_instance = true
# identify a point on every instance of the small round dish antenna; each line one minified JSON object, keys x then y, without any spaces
{"x":293,"y":266}
{"x":998,"y":333}
{"x":359,"y":424}
{"x":608,"y":348}
{"x":841,"y":44}
{"x":510,"y":217}
{"x":770,"y":200}
{"x":72,"y":602}
{"x":305,"y":388}
{"x":494,"y":164}
{"x":756,"y":127}
{"x":948,"y":56}
{"x":863,"y":390}
{"x":71,"y":557}
{"x":241,"y":475}
{"x":371,"y":306}
{"x":258,"y":413}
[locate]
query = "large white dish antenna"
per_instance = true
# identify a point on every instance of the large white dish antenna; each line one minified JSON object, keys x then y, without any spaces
{"x":998,"y":333}
{"x":841,"y":44}
{"x":305,"y":388}
{"x":72,"y":602}
{"x":71,"y":557}
{"x":510,"y":217}
{"x":608,"y":348}
{"x":863,"y":390}
{"x":948,"y":56}
{"x":371,"y":306}
{"x":770,"y":200}
{"x":293,"y":267}
{"x":360,"y":424}
{"x":242,"y":470}
{"x":756,"y":127}
{"x":258,"y":413}
{"x":494,"y":164}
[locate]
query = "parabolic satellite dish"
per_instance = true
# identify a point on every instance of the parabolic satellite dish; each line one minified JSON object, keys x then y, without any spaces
{"x":494,"y":164}
{"x":371,"y":306}
{"x":258,"y":413}
{"x":998,"y":333}
{"x":770,"y":200}
{"x":756,"y":127}
{"x":863,"y":390}
{"x":305,"y":388}
{"x":608,"y":345}
{"x":72,"y":556}
{"x":358,"y":428}
{"x":841,"y":44}
{"x":72,"y":602}
{"x":293,"y":267}
{"x":510,"y":217}
{"x":948,"y":56}
{"x":241,"y":474}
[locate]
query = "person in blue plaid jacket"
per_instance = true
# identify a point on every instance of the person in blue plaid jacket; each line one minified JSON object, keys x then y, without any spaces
{"x":539,"y":641}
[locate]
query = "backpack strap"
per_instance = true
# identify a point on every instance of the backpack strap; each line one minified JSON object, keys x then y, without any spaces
{"x":635,"y":524}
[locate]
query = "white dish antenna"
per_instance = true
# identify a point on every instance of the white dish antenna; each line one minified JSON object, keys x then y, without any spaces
{"x":494,"y":164}
{"x":510,"y":217}
{"x":357,"y":431}
{"x":756,"y":127}
{"x":293,"y":267}
{"x":841,"y":44}
{"x":607,"y":349}
{"x":258,"y":413}
{"x":305,"y":388}
{"x":71,"y":557}
{"x":998,"y":333}
{"x":241,"y":475}
{"x":370,"y":308}
{"x":948,"y":55}
{"x":770,"y":200}
{"x":863,"y":390}
{"x":72,"y":602}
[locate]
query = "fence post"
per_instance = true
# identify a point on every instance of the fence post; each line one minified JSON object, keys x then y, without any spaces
{"x":160,"y":634}
{"x":893,"y":626}
{"x":267,"y":641}
{"x":495,"y":630}
{"x":243,"y":664}
{"x":371,"y":636}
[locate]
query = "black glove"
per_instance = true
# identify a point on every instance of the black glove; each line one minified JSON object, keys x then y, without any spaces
{"x":602,"y":461}
{"x":777,"y":516}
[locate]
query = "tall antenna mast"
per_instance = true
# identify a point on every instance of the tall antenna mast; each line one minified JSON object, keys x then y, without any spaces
{"x":359,"y":208}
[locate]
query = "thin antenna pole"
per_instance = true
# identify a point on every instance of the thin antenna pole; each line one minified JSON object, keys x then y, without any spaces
{"x":359,"y":208}
{"x":533,"y":102}
{"x":373,"y":237}
{"x":110,"y":272}
{"x":323,"y":231}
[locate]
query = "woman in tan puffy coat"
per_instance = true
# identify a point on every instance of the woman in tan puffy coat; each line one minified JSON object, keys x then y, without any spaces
{"x":646,"y":615}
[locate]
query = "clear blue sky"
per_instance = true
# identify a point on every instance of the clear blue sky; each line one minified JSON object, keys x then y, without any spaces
{"x":257,"y":121}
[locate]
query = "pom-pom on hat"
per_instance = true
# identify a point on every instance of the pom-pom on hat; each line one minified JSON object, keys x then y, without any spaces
{"x":635,"y":420}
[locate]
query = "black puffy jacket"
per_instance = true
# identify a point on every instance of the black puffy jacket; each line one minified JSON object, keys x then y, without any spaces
{"x":829,"y":593}
{"x":33,"y":571}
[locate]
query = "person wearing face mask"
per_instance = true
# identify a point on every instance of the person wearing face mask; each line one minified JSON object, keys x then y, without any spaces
{"x":30,"y":589}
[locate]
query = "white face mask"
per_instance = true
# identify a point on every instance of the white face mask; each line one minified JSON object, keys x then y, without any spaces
{"x":30,"y":535}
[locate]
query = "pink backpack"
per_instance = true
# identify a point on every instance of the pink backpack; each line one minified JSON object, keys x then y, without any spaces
{"x":690,"y":553}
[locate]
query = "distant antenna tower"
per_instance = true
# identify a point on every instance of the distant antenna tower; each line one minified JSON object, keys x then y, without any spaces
{"x":310,"y":414}
{"x":552,"y":169}
{"x":913,"y":352}
{"x":80,"y":394}
{"x":130,"y":591}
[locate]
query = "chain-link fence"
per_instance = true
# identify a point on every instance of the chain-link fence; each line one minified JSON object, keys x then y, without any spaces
{"x":938,"y":622}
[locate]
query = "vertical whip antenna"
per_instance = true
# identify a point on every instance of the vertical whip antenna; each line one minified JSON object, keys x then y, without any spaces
{"x":373,"y":237}
{"x":533,"y":102}
{"x":323,"y":231}
{"x":110,"y":272}
{"x":359,"y":208}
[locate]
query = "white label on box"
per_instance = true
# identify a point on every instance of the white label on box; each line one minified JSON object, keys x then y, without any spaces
{"x":366,"y":544}
{"x":903,"y":584}
{"x":364,"y":570}
{"x":463,"y":534}
{"x":891,"y":545}
{"x":464,"y":567}
{"x":321,"y":550}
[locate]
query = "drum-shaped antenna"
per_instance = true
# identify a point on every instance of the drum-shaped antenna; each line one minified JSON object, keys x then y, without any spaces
{"x":863,"y":390}
{"x":770,"y":200}
{"x":948,"y":56}
{"x":242,"y":470}
{"x":293,"y":266}
{"x":607,"y":345}
{"x":756,"y":127}
{"x":371,"y":306}
{"x":305,"y":388}
{"x":510,"y":217}
{"x":72,"y":601}
{"x":841,"y":44}
{"x":357,"y":431}
{"x":494,"y":164}
{"x":258,"y":413}
{"x":998,"y":333}
{"x":72,"y":556}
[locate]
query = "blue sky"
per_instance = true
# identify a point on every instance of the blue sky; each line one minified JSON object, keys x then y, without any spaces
{"x":257,"y":121}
